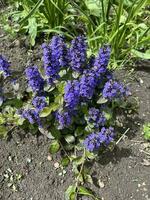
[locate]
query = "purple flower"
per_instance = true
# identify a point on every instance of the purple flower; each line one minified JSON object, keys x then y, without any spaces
{"x":55,"y":56}
{"x":46,"y":54}
{"x":92,"y":142}
{"x":101,"y":61}
{"x":113,"y":89}
{"x":59,"y":51}
{"x":107,"y":135}
{"x":32,"y":116}
{"x":71,"y":96}
{"x":51,"y":65}
{"x":39,"y":102}
{"x":96,"y":117}
{"x":64,"y":119}
{"x":95,"y":140}
{"x":91,"y":62}
{"x":87,"y":85}
{"x":77,"y":53}
{"x":4,"y":66}
{"x":35,"y":80}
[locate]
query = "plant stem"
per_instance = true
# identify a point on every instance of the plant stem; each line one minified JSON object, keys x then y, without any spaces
{"x":80,"y":172}
{"x":64,"y":150}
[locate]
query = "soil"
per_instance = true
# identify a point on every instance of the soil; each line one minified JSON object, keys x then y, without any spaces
{"x":27,"y":171}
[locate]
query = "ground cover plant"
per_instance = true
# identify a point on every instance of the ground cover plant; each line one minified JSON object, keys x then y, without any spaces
{"x":73,"y":99}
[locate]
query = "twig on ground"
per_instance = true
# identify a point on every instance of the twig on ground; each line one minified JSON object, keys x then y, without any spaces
{"x":122,"y":135}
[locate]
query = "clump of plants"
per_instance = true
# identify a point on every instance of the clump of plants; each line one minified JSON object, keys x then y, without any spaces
{"x":72,"y":99}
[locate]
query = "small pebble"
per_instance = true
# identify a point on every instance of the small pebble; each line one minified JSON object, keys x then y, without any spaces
{"x":56,"y":165}
{"x":145,"y":189}
{"x":49,"y":157}
{"x":101,"y":184}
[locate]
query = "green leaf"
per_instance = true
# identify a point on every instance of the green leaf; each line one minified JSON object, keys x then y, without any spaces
{"x":69,"y":147}
{"x":102,"y":100}
{"x":75,"y":74}
{"x":89,"y":178}
{"x":47,"y":110}
{"x":55,"y":133}
{"x":70,"y":138}
{"x":79,"y":160}
{"x":59,"y":99}
{"x":139,"y":54}
{"x":146,"y":130}
{"x":65,"y":161}
{"x":2,"y":119}
{"x":79,"y":131}
{"x":3,"y":131}
{"x":70,"y":193}
{"x":108,"y":115}
{"x":14,"y":102}
{"x":89,"y":155}
{"x":54,"y":147}
{"x":32,"y":30}
{"x":19,"y":120}
{"x":84,"y":109}
{"x":34,"y":9}
{"x":61,"y":86}
{"x":94,"y":7}
{"x":62,"y":73}
{"x":86,"y":192}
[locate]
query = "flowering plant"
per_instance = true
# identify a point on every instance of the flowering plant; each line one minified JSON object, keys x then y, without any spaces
{"x":72,"y":99}
{"x":74,"y":93}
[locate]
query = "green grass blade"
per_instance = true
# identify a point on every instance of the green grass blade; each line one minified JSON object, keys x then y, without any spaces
{"x":82,"y":11}
{"x":104,"y":16}
{"x":56,"y":7}
{"x":97,"y":29}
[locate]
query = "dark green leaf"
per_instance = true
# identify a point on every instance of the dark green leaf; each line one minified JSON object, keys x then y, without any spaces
{"x":79,"y":131}
{"x":86,"y":192}
{"x":65,"y":161}
{"x":55,"y":133}
{"x":14,"y":102}
{"x":69,"y":147}
{"x":54,"y":147}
